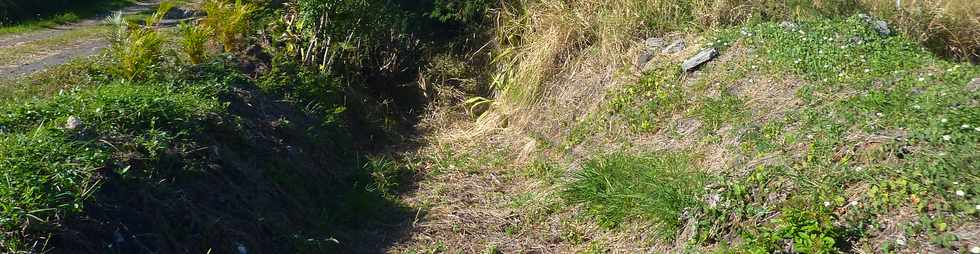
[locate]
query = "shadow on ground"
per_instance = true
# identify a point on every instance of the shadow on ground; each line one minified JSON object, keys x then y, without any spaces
{"x":264,"y":178}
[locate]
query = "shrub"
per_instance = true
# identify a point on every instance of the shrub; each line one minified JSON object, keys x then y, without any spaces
{"x":137,"y":48}
{"x":193,"y":42}
{"x":229,"y":21}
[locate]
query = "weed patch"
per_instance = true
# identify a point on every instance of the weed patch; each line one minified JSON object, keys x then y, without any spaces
{"x":658,"y":187}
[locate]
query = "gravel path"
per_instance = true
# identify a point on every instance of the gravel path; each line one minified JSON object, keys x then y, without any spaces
{"x":37,"y":50}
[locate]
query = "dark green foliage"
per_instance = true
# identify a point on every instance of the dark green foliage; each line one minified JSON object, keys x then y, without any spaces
{"x":655,"y":187}
{"x":48,"y":169}
{"x":460,"y":10}
{"x":806,"y":230}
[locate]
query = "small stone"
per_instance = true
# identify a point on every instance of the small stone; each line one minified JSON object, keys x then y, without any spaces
{"x":697,"y":60}
{"x":973,"y":86}
{"x":644,"y":58}
{"x":654,"y":42}
{"x":878,"y":25}
{"x":900,"y":241}
{"x":674,"y":47}
{"x":241,"y":248}
{"x":788,"y":25}
{"x":855,"y":40}
{"x":975,"y":249}
{"x":73,"y":123}
{"x":882,"y":27}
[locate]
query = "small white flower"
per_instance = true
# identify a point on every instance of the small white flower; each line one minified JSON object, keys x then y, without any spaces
{"x":854,"y":203}
{"x":956,"y":183}
{"x":900,"y":241}
{"x":922,"y":79}
{"x":867,"y":70}
{"x":944,"y":120}
{"x":976,"y":129}
{"x":826,"y":203}
{"x":755,"y":67}
{"x":977,"y":207}
{"x":949,"y":70}
{"x":859,"y":168}
{"x":878,"y":114}
{"x":965,"y":126}
{"x":960,"y":193}
{"x":917,"y":107}
{"x":947,"y":137}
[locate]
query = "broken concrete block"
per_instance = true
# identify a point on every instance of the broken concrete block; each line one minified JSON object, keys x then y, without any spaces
{"x":697,"y":60}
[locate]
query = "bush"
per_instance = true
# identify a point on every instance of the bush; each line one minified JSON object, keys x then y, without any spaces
{"x":193,"y":42}
{"x":137,"y":48}
{"x":228,"y":21}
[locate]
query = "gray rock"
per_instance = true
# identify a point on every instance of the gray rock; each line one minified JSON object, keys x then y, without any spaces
{"x":878,"y":25}
{"x":674,"y":47}
{"x":654,"y":42}
{"x":697,"y":60}
{"x":73,"y":123}
{"x":882,"y":27}
{"x":973,"y":86}
{"x":644,"y":58}
{"x":788,"y":25}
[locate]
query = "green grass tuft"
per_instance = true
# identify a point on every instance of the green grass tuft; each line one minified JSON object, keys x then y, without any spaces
{"x":657,"y":187}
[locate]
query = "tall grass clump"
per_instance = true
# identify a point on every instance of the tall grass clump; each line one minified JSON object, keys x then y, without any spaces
{"x":229,"y":21}
{"x":618,"y":188}
{"x":194,"y":41}
{"x":135,"y":47}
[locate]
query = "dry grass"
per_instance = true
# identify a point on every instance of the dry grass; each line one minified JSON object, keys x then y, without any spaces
{"x":557,"y":60}
{"x":951,"y":27}
{"x":542,"y":41}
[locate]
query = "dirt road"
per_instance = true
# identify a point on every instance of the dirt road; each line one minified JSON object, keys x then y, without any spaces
{"x":28,"y":52}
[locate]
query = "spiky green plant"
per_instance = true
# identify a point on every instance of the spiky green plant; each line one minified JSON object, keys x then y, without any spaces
{"x":194,"y":41}
{"x":137,"y":48}
{"x":229,"y":21}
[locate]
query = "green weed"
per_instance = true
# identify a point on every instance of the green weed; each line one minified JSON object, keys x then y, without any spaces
{"x":229,"y":21}
{"x":193,"y":42}
{"x":657,"y":187}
